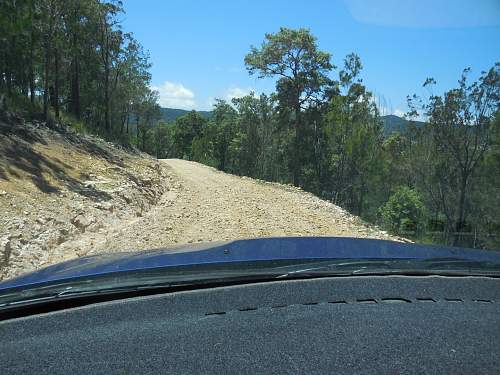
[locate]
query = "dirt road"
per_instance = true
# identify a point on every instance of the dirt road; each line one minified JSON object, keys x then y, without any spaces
{"x":204,"y":205}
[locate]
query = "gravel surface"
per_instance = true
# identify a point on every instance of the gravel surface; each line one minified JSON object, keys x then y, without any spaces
{"x":204,"y":205}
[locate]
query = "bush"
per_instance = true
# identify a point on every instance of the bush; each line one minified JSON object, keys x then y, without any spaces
{"x":404,"y":211}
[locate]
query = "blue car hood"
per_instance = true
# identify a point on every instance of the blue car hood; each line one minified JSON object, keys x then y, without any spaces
{"x":284,"y":248}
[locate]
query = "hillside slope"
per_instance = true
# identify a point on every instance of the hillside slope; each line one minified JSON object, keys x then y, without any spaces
{"x":56,"y":186}
{"x":64,"y":196}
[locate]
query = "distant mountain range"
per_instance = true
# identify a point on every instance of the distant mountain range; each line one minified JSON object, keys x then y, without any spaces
{"x":392,"y":123}
{"x":170,"y":114}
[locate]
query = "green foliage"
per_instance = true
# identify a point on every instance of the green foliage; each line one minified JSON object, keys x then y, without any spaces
{"x":20,"y":104}
{"x":449,"y":152}
{"x":486,"y":192}
{"x":186,"y":130}
{"x":70,"y":61}
{"x":353,"y":141}
{"x":292,"y":55}
{"x":203,"y":151}
{"x":404,"y":211}
{"x":161,"y":138}
{"x":302,"y":70}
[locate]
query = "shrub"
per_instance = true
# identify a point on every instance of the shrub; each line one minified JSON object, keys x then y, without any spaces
{"x":404,"y":211}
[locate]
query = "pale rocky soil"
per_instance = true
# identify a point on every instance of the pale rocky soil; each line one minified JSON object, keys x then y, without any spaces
{"x":57,"y":187}
{"x":64,"y":196}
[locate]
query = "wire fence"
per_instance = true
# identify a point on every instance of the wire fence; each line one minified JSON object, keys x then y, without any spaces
{"x":473,"y":238}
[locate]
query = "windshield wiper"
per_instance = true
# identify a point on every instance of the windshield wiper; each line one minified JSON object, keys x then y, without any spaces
{"x":437,"y":266}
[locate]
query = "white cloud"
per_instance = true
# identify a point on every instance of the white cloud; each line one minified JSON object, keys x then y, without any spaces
{"x":210,"y":103}
{"x":385,"y":110}
{"x":175,"y":95}
{"x":398,"y":112}
{"x":237,"y":92}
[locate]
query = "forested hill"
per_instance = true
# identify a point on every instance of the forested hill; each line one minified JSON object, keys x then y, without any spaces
{"x":390,"y":123}
{"x":393,"y":123}
{"x":170,"y":114}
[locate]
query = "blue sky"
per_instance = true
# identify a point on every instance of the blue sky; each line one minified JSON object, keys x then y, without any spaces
{"x":197,"y":47}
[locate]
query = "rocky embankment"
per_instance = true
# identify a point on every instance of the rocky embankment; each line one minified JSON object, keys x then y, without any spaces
{"x":56,"y":186}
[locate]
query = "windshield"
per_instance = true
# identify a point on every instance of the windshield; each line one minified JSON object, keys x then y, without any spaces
{"x":128,"y":126}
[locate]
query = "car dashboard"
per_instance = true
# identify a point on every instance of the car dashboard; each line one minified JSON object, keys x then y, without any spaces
{"x":355,"y":324}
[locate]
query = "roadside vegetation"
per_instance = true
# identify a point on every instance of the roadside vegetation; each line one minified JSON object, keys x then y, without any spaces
{"x":437,"y":181}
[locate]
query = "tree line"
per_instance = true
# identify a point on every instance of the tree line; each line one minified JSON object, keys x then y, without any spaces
{"x":70,"y":60}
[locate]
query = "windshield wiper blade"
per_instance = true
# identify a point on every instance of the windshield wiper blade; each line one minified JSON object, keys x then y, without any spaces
{"x":441,"y":266}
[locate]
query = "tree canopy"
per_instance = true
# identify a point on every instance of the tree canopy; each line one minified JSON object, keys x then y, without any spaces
{"x":292,"y":56}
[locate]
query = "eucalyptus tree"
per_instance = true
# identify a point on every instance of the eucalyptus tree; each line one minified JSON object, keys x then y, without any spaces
{"x":292,"y":56}
{"x":353,"y":136}
{"x":224,"y":118}
{"x":460,"y":132}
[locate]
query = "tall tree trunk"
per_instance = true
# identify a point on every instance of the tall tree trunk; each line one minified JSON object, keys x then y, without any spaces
{"x":56,"y":81}
{"x":158,"y":143}
{"x":124,"y":120}
{"x":10,"y":60}
{"x":361,"y":199}
{"x":107,"y":119}
{"x":3,"y":68}
{"x":75,"y":88}
{"x":460,"y":224}
{"x":32,"y":83}
{"x":144,"y":132}
{"x":317,"y":151}
{"x":46,"y":83}
{"x":75,"y":81}
{"x":32,"y":47}
{"x":296,"y":151}
{"x":137,"y":120}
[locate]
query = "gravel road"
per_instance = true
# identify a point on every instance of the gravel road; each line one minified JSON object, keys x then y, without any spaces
{"x":203,"y":204}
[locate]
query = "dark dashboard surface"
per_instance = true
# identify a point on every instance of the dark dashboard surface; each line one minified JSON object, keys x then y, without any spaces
{"x":363,"y":324}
